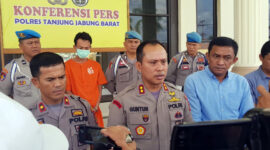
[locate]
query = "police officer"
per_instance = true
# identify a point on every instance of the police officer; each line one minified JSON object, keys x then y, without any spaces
{"x":67,"y":112}
{"x":16,"y":77}
{"x":121,"y":71}
{"x":150,"y":107}
{"x":186,"y":62}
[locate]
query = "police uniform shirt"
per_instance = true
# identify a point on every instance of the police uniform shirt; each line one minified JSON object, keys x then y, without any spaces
{"x":183,"y":65}
{"x":125,"y":74}
{"x":74,"y":112}
{"x":16,"y":82}
{"x":150,"y":121}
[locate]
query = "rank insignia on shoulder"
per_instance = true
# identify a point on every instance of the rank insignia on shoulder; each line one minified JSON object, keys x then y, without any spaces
{"x":174,"y":60}
{"x":165,"y":87}
{"x":145,"y":117}
{"x":171,"y":93}
{"x":174,"y":99}
{"x":118,"y":104}
{"x":141,"y":89}
{"x":66,"y":100}
{"x":41,"y":107}
{"x":140,"y":130}
{"x":41,"y":121}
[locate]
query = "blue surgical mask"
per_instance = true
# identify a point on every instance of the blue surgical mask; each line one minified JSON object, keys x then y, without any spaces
{"x":83,"y":53}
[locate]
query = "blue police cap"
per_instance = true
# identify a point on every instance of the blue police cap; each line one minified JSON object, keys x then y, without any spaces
{"x":194,"y":37}
{"x":27,"y":34}
{"x":133,"y":35}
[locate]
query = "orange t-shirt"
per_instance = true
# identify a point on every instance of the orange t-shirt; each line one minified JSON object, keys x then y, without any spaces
{"x":83,"y":79}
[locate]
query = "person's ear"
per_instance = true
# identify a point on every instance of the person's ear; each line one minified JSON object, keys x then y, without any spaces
{"x":235,"y":60}
{"x":261,"y":58}
{"x":35,"y":81}
{"x":139,"y":66}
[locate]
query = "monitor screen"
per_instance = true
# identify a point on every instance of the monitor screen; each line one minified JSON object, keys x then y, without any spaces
{"x":211,"y":135}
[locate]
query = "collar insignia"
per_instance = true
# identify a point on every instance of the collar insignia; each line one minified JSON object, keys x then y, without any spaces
{"x":66,"y":100}
{"x":165,"y":87}
{"x":41,"y":107}
{"x":141,"y":89}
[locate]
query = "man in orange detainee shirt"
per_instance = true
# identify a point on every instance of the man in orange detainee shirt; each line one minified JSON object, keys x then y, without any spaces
{"x":84,"y":76}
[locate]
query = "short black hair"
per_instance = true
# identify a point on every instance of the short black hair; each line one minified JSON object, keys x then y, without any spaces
{"x":139,"y":51}
{"x":45,"y":59}
{"x":83,"y":36}
{"x":223,"y":41}
{"x":265,"y":49}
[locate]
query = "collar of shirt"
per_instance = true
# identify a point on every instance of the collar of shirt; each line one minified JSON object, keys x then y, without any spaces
{"x":262,"y":74}
{"x":210,"y":73}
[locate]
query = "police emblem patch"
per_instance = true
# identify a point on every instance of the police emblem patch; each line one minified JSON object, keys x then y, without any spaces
{"x":3,"y":76}
{"x":76,"y":112}
{"x":60,"y":2}
{"x":80,"y":3}
{"x":140,"y":130}
{"x":200,"y":59}
{"x":41,"y":121}
{"x":21,"y":35}
{"x":145,"y":117}
{"x":178,"y":115}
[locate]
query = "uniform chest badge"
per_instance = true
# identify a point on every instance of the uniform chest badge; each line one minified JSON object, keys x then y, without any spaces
{"x":185,"y":60}
{"x":200,"y":67}
{"x":174,"y":99}
{"x":41,"y":121}
{"x":141,"y":89}
{"x":76,"y":112}
{"x":66,"y":101}
{"x":184,"y":67}
{"x":140,"y":130}
{"x":3,"y":76}
{"x":178,"y":115}
{"x":201,"y":59}
{"x":22,"y":82}
{"x":145,"y":117}
{"x":41,"y":107}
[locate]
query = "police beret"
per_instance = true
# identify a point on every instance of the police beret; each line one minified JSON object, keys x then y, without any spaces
{"x":27,"y":34}
{"x":133,"y":35}
{"x":194,"y":37}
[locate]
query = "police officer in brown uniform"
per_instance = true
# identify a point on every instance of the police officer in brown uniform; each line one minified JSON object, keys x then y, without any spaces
{"x":67,"y":112}
{"x":121,"y":71}
{"x":15,"y":80}
{"x":186,"y":62}
{"x":150,"y":107}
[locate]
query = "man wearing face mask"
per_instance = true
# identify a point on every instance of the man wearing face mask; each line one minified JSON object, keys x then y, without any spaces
{"x":84,"y":76}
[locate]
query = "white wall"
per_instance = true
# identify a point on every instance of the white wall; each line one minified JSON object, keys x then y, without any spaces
{"x":225,"y":18}
{"x":186,"y":21}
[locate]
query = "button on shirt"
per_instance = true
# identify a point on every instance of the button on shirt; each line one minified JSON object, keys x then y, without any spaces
{"x":255,"y":79}
{"x":211,"y":100}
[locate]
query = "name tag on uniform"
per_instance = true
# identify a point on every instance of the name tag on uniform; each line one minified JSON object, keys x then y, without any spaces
{"x":184,"y":67}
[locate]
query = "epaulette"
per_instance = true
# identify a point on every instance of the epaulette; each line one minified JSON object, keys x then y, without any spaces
{"x":127,"y":89}
{"x":170,"y":85}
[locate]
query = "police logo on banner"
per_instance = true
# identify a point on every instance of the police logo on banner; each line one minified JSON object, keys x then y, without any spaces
{"x":60,"y":2}
{"x":80,"y":3}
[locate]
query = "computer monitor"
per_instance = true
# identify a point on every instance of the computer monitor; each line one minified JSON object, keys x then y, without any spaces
{"x":260,"y":132}
{"x":211,"y":135}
